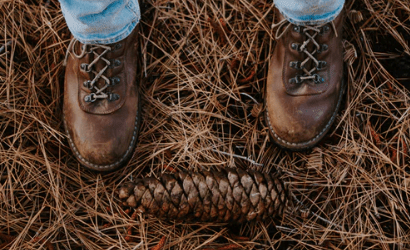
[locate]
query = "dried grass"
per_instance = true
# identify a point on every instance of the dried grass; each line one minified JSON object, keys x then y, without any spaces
{"x":205,"y":65}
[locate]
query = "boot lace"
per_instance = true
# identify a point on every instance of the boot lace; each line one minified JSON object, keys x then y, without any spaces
{"x":97,"y":93}
{"x":311,"y":32}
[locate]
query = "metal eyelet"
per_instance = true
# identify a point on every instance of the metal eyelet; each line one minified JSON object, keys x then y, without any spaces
{"x":84,"y":67}
{"x":90,"y":98}
{"x":113,"y":97}
{"x":295,"y":65}
{"x":323,"y":48}
{"x":321,"y":65}
{"x":296,"y":80}
{"x":117,"y":46}
{"x":295,"y":46}
{"x":114,"y":81}
{"x":115,"y":63}
{"x":324,"y":30}
{"x":319,"y":79}
{"x":87,"y":84}
{"x":296,"y":29}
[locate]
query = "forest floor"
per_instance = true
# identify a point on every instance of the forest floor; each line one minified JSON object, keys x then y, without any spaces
{"x":203,"y":71}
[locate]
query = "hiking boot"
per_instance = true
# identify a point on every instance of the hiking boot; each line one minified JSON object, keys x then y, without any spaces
{"x":305,"y":84}
{"x":101,"y":102}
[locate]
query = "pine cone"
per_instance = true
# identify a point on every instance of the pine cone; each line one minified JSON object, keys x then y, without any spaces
{"x":231,"y":195}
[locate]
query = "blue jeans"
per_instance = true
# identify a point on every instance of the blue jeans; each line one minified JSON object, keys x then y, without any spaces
{"x":309,"y":12}
{"x":109,"y":21}
{"x":100,"y":21}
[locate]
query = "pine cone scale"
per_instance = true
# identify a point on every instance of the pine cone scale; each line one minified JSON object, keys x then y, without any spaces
{"x":231,"y":195}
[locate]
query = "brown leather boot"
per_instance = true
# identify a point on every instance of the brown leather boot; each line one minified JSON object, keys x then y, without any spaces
{"x":305,"y":85}
{"x":102,"y":103}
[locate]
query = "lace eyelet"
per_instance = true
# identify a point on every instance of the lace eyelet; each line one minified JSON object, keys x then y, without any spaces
{"x":298,"y":79}
{"x":90,"y":98}
{"x":324,"y":30}
{"x":319,"y":79}
{"x":295,"y":46}
{"x":295,"y":80}
{"x":117,"y":46}
{"x":295,"y":65}
{"x":84,"y":67}
{"x":323,"y":48}
{"x":114,"y":81}
{"x":115,"y":63}
{"x":297,"y":29}
{"x":113,"y":97}
{"x":321,"y":65}
{"x":87,"y":84}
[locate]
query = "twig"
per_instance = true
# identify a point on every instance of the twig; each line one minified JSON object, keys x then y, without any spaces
{"x":129,"y":230}
{"x":160,"y":244}
{"x":169,"y":168}
{"x":219,"y":29}
{"x":249,"y":78}
{"x":375,"y":136}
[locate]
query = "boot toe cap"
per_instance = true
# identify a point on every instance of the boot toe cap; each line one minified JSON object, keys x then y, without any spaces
{"x":100,"y":151}
{"x":302,"y":130}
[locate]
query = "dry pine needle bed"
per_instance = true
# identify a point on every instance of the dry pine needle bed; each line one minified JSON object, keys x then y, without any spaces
{"x":203,"y":69}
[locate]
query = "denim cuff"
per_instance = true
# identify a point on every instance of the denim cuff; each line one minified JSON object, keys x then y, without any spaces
{"x":115,"y":36}
{"x":313,"y":19}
